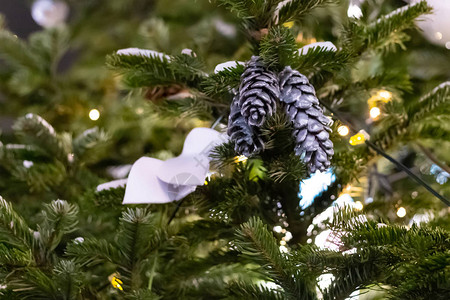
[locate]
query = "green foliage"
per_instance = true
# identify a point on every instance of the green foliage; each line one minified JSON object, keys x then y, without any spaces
{"x":278,"y":48}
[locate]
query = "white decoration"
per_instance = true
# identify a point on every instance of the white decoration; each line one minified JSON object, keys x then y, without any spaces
{"x":28,"y":164}
{"x":354,"y":9}
{"x":142,"y":52}
{"x":226,"y":29}
{"x":118,"y":172}
{"x":49,"y":13}
{"x":228,"y":64}
{"x":144,"y":186}
{"x":154,"y":181}
{"x":112,"y":184}
{"x":189,"y":52}
{"x":328,"y":46}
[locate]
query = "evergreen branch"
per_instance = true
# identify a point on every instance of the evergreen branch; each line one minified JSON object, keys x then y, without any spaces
{"x":86,"y":145}
{"x":296,"y":9}
{"x":14,"y":51}
{"x":60,"y":218}
{"x":359,"y":271}
{"x":13,"y":228}
{"x":12,"y":258}
{"x":40,"y":176}
{"x":398,"y":20}
{"x":142,"y":71}
{"x":243,"y":290}
{"x":440,"y":95}
{"x":67,"y":278}
{"x":278,"y":48}
{"x":217,"y":85}
{"x":386,"y":30}
{"x":256,"y":242}
{"x":36,"y":131}
{"x":92,"y":252}
{"x":320,"y":59}
{"x":33,"y":283}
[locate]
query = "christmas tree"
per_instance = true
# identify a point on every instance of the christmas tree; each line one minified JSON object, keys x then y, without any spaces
{"x":239,"y":158}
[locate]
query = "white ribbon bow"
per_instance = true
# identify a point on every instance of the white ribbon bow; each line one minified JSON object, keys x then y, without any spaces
{"x":155,"y":181}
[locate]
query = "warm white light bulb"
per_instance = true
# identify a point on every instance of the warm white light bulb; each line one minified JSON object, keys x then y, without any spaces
{"x":354,"y":11}
{"x":343,"y":130}
{"x":358,"y":205}
{"x":447,"y":45}
{"x":94,"y":114}
{"x":401,"y":212}
{"x":375,"y":112}
{"x":386,"y":95}
{"x":438,"y":35}
{"x":277,"y":229}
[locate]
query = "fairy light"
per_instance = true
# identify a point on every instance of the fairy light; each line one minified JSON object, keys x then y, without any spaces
{"x":374,"y":112}
{"x":288,"y":24}
{"x":358,"y":205}
{"x":438,"y":35}
{"x":283,"y":243}
{"x":385,"y":95}
{"x":357,"y":139}
{"x":240,"y":158}
{"x":343,"y":130}
{"x":401,"y":212}
{"x":94,"y":114}
{"x":115,"y":281}
{"x":277,"y":229}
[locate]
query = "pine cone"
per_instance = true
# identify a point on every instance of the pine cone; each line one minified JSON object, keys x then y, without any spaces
{"x":258,"y":92}
{"x":242,"y":134}
{"x":311,"y":127}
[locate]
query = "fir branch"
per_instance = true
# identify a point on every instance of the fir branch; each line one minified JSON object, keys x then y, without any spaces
{"x":220,"y":84}
{"x":88,"y":145}
{"x":142,"y":71}
{"x":243,"y":290}
{"x":440,"y":95}
{"x":13,"y":228}
{"x":320,"y":59}
{"x":92,"y":252}
{"x":256,"y":242}
{"x":398,"y":20}
{"x":384,"y":32}
{"x":296,"y":9}
{"x":135,"y":230}
{"x":60,"y":218}
{"x":278,"y":48}
{"x":36,"y":131}
{"x":17,"y":53}
{"x":67,"y":277}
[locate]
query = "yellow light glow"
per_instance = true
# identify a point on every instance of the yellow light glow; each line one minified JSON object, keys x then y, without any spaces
{"x":385,"y":95}
{"x":358,"y":205}
{"x":282,"y":243}
{"x":288,"y":24}
{"x":401,"y":212}
{"x":343,"y":130}
{"x":348,"y":188}
{"x":117,"y":283}
{"x":438,"y":35}
{"x":357,"y":139}
{"x":374,"y":112}
{"x":206,"y":182}
{"x":240,"y":158}
{"x":94,"y":114}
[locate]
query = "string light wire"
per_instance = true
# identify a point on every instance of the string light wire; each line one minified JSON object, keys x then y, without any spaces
{"x":388,"y":157}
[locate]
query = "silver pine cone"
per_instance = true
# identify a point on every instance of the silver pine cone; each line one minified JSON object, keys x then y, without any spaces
{"x":311,"y":127}
{"x":258,"y":92}
{"x":242,"y":134}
